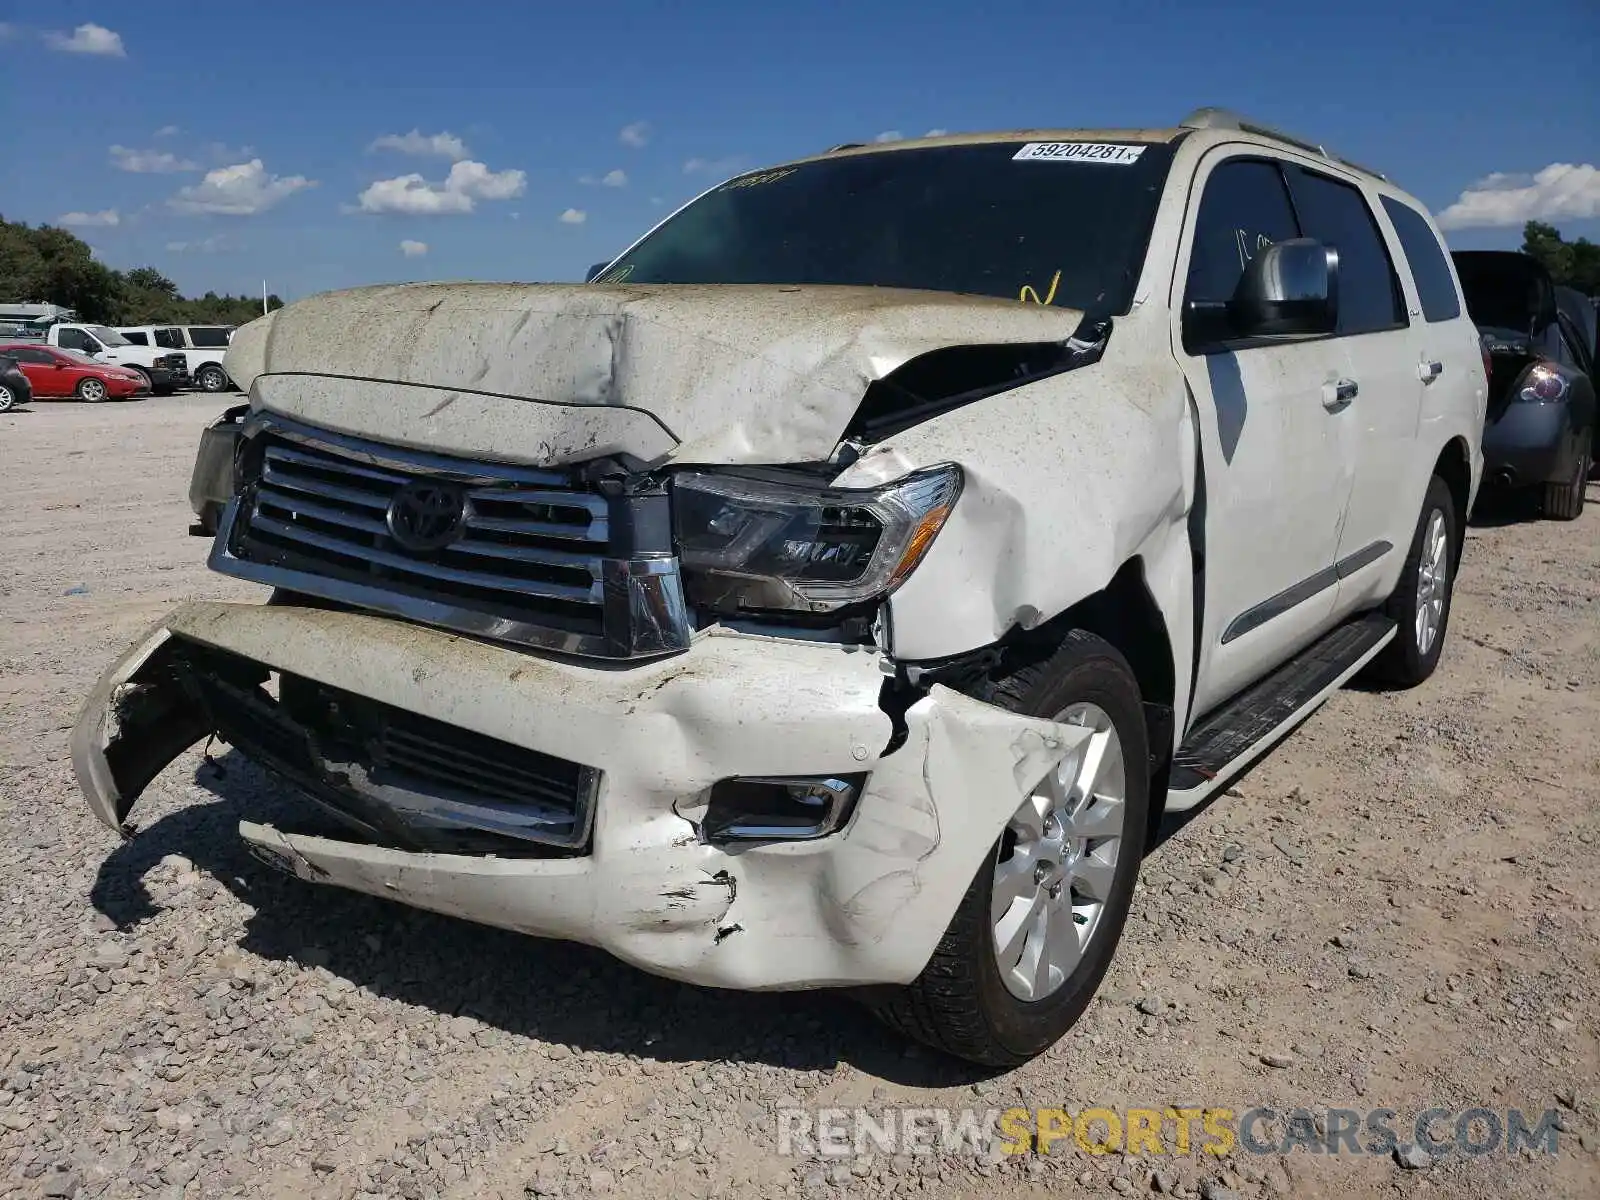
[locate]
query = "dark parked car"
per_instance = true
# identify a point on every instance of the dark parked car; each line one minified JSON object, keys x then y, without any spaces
{"x":14,"y":386}
{"x":1539,"y":340}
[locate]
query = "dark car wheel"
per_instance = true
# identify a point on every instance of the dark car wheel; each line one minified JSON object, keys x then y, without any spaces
{"x":211,"y":378}
{"x":1037,"y":928}
{"x":8,"y":398}
{"x":92,"y":390}
{"x":1564,"y":501}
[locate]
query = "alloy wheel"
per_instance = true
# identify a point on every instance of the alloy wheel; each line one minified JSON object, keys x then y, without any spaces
{"x":1433,"y":577}
{"x":1058,"y":861}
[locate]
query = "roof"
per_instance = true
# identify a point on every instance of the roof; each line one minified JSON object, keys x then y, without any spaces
{"x":1209,"y":119}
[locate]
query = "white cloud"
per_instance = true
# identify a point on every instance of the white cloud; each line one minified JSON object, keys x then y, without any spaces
{"x":413,"y":249}
{"x":936,"y":133}
{"x":108,"y":216}
{"x":435,"y":145}
{"x":616,"y":179}
{"x":207,"y":245}
{"x":88,"y":39}
{"x":467,"y":183}
{"x":149,"y":162}
{"x":712,"y":166}
{"x":635,"y":135}
{"x":1562,"y":191}
{"x":889,"y":135}
{"x":168,"y":131}
{"x":239,"y":191}
{"x":573,"y":216}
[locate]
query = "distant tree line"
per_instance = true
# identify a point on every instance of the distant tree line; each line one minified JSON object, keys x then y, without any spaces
{"x":47,"y":265}
{"x":1575,"y":264}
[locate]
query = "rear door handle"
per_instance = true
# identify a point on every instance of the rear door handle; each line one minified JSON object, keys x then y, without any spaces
{"x":1337,"y":395}
{"x":1429,"y":371}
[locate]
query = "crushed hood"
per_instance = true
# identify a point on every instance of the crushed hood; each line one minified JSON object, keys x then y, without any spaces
{"x":552,"y":373}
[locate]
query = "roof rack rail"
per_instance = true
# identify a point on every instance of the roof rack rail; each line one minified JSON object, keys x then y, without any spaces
{"x":1222,"y":118}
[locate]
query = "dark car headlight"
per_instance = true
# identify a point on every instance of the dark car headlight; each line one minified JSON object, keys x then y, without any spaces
{"x":751,"y":544}
{"x":1541,"y":383}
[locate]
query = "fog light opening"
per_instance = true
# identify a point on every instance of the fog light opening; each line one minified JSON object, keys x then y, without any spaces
{"x":780,"y":808}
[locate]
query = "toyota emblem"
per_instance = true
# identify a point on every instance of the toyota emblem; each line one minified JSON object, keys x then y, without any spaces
{"x":425,"y":515}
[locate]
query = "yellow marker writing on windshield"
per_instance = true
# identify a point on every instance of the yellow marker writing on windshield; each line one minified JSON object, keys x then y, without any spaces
{"x":1027,"y":291}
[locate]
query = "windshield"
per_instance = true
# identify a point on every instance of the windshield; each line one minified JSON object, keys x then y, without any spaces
{"x":1054,"y":227}
{"x":108,"y":337}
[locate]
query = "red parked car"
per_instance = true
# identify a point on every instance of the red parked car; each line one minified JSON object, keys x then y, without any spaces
{"x":56,"y":373}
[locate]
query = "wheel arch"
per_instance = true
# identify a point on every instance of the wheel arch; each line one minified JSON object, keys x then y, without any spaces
{"x":1454,"y":466}
{"x":1124,"y":613}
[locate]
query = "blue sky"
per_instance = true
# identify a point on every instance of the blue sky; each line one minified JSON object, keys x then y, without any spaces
{"x":240,"y":144}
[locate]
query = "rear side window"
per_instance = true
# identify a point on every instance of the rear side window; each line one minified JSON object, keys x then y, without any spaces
{"x":76,"y":339}
{"x":172,"y":339}
{"x":1429,"y":267}
{"x":1337,"y":215}
{"x":208,"y":338}
{"x":29,"y":355}
{"x":1243,"y":209}
{"x":137,"y":338}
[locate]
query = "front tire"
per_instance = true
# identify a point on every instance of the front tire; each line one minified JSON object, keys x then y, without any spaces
{"x":1564,"y":501}
{"x":91,"y":390}
{"x":1038,"y":926}
{"x":211,"y":378}
{"x":1420,"y":602}
{"x":8,"y":399}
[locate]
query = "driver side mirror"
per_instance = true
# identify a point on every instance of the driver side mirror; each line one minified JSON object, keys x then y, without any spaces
{"x":1289,"y":289}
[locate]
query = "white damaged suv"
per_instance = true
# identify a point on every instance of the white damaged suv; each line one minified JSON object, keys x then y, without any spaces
{"x":837,"y":589}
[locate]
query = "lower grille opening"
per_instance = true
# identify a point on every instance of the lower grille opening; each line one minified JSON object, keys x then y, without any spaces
{"x":396,"y":778}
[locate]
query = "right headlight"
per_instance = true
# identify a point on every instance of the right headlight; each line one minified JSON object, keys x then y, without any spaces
{"x":748,"y":543}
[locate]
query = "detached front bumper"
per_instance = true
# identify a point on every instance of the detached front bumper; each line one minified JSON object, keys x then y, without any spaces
{"x":864,"y":905}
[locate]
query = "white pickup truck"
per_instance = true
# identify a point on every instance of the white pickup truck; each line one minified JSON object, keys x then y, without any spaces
{"x":202,"y":347}
{"x":838,"y":590}
{"x":165,"y":370}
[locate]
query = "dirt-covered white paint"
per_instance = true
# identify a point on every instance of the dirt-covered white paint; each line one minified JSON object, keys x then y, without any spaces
{"x":680,"y":373}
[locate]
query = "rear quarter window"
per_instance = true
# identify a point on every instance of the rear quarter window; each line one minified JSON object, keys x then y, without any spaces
{"x":208,"y":338}
{"x":1436,"y":287}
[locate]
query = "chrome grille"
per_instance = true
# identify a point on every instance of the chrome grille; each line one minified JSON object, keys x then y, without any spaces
{"x":529,"y":560}
{"x":324,"y":505}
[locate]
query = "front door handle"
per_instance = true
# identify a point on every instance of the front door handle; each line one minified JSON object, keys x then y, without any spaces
{"x":1429,"y":371}
{"x":1337,"y":395}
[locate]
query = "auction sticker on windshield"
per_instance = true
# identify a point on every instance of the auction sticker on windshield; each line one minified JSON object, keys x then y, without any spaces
{"x":1090,"y":152}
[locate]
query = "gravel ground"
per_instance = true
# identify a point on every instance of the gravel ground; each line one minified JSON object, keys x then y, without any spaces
{"x":1396,"y":910}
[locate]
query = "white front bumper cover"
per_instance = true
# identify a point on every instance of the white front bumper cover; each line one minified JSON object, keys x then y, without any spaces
{"x":865,"y":905}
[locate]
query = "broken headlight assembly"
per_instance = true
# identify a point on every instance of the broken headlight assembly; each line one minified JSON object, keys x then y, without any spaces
{"x":751,"y":544}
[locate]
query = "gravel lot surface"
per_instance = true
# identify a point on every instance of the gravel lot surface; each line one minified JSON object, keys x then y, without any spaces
{"x":1396,"y":910}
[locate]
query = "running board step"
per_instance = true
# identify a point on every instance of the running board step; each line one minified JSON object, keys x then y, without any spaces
{"x":1228,"y":740}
